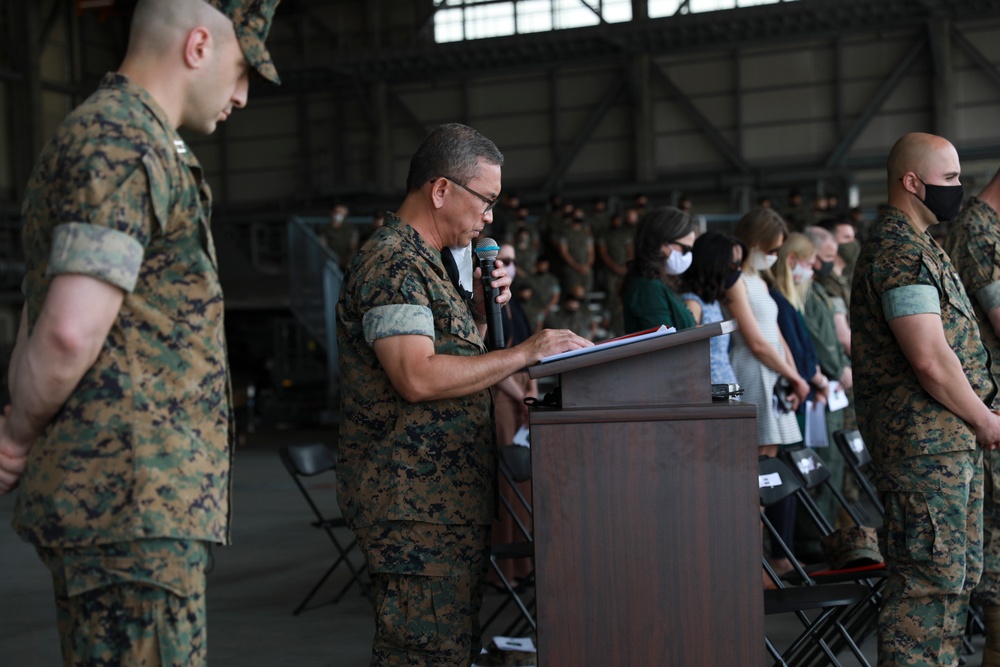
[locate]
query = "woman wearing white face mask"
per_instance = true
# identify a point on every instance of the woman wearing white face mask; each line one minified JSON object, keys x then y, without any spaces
{"x":662,"y":249}
{"x":789,"y":281}
{"x":758,"y":351}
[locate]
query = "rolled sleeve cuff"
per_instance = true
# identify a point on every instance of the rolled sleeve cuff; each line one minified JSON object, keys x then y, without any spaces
{"x":910,"y":300}
{"x":398,"y":320}
{"x":989,"y":296}
{"x":99,"y":252}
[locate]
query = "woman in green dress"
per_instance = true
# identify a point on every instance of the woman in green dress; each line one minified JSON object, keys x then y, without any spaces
{"x":649,"y":293}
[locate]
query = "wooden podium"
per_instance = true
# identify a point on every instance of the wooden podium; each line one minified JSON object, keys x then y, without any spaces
{"x":647,"y":529}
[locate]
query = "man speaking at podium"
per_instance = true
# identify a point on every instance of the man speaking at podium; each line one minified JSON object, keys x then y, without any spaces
{"x":416,"y":476}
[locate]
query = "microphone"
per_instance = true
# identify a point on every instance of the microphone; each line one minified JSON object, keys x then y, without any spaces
{"x":487,"y":250}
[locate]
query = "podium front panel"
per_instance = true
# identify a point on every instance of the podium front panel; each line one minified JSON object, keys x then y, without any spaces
{"x":647,"y":536}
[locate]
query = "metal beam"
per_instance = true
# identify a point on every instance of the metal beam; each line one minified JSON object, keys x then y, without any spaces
{"x":700,"y":120}
{"x":597,"y":12}
{"x":50,"y":21}
{"x":976,"y":56}
{"x":836,"y":157}
{"x":598,"y":113}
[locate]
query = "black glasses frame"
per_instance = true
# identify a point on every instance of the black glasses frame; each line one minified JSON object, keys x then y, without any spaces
{"x":490,"y":203}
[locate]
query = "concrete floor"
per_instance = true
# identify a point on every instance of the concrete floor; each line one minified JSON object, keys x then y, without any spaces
{"x":273,"y":562}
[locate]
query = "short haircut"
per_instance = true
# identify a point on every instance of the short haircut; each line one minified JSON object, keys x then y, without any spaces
{"x":451,"y":150}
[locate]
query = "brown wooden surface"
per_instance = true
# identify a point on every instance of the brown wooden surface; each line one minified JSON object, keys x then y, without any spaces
{"x":647,"y":541}
{"x":658,"y":371}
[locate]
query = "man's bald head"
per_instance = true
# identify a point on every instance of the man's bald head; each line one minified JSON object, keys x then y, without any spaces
{"x":924,"y":175}
{"x":159,"y":27}
{"x":917,"y":152}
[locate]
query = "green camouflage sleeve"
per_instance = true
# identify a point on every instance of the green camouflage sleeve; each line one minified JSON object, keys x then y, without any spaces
{"x":910,"y":300}
{"x":106,"y":254}
{"x":978,"y":262}
{"x":989,"y":296}
{"x":905,"y":284}
{"x":106,"y":235}
{"x":398,"y":320}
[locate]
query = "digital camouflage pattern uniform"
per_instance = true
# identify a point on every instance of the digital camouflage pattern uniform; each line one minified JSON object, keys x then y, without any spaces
{"x":973,"y":243}
{"x":929,"y":464}
{"x":142,"y":448}
{"x":415,"y":481}
{"x":579,"y":243}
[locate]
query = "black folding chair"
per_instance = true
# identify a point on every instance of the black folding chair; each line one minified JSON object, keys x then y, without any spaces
{"x":852,"y":446}
{"x":515,"y":467}
{"x":777,"y":482}
{"x":812,"y":473}
{"x":307,"y":461}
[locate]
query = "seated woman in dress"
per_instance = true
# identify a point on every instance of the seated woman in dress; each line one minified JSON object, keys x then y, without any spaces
{"x":714,"y":269}
{"x":662,"y":246}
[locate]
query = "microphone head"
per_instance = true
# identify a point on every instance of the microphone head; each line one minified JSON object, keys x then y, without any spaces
{"x":487,"y":249}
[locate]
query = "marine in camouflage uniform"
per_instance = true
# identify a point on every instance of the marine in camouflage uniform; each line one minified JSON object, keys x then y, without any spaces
{"x":973,"y":243}
{"x":928,"y":461}
{"x":576,"y":243}
{"x":416,"y":476}
{"x":412,"y":477}
{"x":130,"y":480}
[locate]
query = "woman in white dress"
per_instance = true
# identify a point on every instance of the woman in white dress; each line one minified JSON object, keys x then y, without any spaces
{"x":758,"y":352}
{"x":760,"y":355}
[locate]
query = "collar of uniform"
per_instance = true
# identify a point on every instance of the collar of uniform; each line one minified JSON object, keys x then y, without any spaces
{"x":425,"y":249}
{"x":123,"y":83}
{"x":895,"y":223}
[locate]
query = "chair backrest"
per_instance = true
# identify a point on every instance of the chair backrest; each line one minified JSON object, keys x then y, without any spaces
{"x":775,"y":480}
{"x":852,"y":446}
{"x":309,"y":459}
{"x":517,"y":461}
{"x":304,"y":461}
{"x":808,"y":465}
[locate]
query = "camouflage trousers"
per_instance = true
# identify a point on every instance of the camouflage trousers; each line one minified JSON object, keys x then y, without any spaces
{"x":140,"y":604}
{"x":427,"y":584}
{"x":988,"y":591}
{"x":933,"y":550}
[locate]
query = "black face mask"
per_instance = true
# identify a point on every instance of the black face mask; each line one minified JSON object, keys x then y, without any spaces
{"x":944,"y":201}
{"x":732,"y":278}
{"x":824,"y":270}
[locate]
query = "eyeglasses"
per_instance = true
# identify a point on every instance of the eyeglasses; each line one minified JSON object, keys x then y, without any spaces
{"x":490,"y":203}
{"x":507,"y":261}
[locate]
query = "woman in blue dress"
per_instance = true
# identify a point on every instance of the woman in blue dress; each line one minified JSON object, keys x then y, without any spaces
{"x":715,"y":268}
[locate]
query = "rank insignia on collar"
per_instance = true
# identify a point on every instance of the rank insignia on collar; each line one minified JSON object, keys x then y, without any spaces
{"x":180,"y":146}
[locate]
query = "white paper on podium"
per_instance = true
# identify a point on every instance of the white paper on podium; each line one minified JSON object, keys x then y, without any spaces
{"x":815,"y":435}
{"x":663,"y":330}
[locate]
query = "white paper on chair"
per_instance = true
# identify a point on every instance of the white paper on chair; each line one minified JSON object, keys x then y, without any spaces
{"x":522,"y":436}
{"x":523,"y":644}
{"x":815,"y":435}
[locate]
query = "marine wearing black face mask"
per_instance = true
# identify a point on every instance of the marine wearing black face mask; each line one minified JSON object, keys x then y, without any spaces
{"x":944,"y":201}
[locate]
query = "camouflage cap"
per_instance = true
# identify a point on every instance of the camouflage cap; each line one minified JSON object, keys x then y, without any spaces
{"x":853,"y":546}
{"x":252,"y":21}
